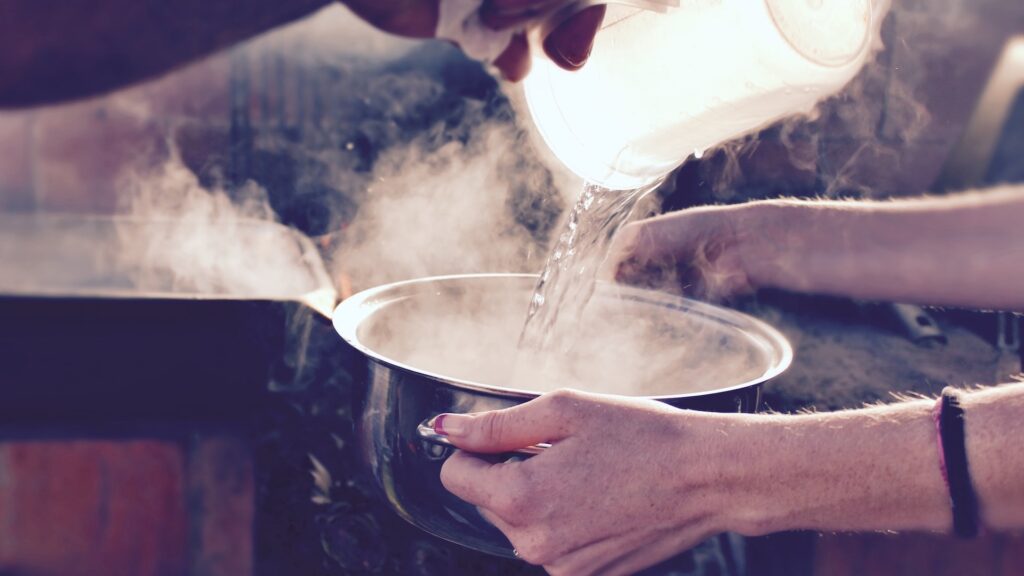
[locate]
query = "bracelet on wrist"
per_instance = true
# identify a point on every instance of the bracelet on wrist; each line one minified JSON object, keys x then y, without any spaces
{"x":952,"y":446}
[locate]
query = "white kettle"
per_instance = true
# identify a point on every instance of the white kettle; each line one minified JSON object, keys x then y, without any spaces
{"x":662,"y":85}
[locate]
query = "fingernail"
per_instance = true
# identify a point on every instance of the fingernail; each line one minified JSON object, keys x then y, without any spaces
{"x":570,"y":43}
{"x":450,"y":424}
{"x":566,"y":54}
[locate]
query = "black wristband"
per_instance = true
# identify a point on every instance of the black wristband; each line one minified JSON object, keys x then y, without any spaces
{"x":954,"y":450}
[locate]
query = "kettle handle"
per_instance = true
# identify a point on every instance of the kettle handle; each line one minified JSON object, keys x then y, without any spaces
{"x":427,"y":433}
{"x":661,"y":6}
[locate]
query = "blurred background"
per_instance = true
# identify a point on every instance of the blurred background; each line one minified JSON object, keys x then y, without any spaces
{"x":132,"y":443}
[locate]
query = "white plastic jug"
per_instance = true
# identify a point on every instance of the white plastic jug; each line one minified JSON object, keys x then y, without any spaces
{"x":661,"y":86}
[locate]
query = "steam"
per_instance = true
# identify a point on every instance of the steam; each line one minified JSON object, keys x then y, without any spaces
{"x":629,"y":343}
{"x":415,"y":182}
{"x":872,"y":139}
{"x":416,"y":166}
{"x":183,"y":238}
{"x":447,"y":210}
{"x":886,"y":134}
{"x":396,"y":175}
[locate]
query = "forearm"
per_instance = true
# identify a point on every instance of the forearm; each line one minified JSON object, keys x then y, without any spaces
{"x":961,"y":251}
{"x":994,"y":428}
{"x":877,"y":468}
{"x":59,"y":50}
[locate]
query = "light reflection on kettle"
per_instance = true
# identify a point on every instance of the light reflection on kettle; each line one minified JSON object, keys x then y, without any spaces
{"x":660,"y":85}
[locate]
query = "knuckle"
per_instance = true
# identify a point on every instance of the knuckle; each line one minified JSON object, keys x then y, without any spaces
{"x":565,"y":403}
{"x":563,"y":399}
{"x":492,"y":426}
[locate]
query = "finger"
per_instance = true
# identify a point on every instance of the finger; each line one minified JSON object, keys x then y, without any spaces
{"x":543,"y":419}
{"x":663,"y":240}
{"x":656,"y":274}
{"x":662,"y":236}
{"x":514,"y":62}
{"x":472,"y":479}
{"x":569,"y":44}
{"x":636,"y":258}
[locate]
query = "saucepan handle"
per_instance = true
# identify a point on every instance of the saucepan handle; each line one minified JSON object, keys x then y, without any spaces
{"x":427,"y":433}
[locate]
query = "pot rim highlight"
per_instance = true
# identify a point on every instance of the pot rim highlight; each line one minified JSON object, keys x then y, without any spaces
{"x":354,"y":310}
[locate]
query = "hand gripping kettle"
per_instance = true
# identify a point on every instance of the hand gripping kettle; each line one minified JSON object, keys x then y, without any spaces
{"x":661,"y":86}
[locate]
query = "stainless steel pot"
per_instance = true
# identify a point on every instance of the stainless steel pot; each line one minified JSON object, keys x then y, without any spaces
{"x":406,"y":389}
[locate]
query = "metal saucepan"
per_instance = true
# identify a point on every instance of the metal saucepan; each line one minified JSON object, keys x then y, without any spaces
{"x":401,"y":327}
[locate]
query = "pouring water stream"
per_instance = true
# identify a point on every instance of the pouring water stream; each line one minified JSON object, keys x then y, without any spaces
{"x":569,"y":276}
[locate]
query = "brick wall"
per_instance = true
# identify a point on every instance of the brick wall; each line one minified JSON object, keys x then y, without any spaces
{"x":132,"y":507}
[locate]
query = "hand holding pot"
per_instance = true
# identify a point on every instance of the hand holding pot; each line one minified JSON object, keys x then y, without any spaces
{"x":626,"y":484}
{"x":629,"y":482}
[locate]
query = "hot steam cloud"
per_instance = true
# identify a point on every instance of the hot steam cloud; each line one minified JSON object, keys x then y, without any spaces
{"x":183,"y":238}
{"x":446,"y":210}
{"x":410,"y":164}
{"x":889,"y":131}
{"x":636,"y":346}
{"x":416,"y":165}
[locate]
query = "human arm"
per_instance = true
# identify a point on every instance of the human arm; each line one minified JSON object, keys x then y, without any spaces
{"x":962,"y":250}
{"x":631,"y":482}
{"x":59,"y":50}
{"x":52,"y":51}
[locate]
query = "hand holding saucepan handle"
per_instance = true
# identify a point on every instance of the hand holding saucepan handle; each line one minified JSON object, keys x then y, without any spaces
{"x":621,"y":484}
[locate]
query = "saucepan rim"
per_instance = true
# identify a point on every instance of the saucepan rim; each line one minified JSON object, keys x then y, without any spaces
{"x":354,"y":310}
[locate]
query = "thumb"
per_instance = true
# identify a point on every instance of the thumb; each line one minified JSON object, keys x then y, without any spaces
{"x":505,"y":430}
